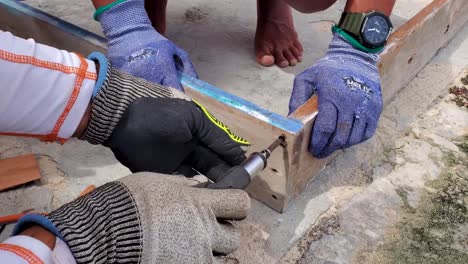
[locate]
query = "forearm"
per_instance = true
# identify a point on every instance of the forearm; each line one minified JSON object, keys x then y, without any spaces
{"x":99,"y":3}
{"x":362,"y":6}
{"x":47,"y":92}
{"x":83,"y":123}
{"x":35,"y":244}
{"x":311,"y":6}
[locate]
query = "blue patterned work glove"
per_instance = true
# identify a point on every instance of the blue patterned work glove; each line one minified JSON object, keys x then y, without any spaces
{"x":135,"y":47}
{"x":347,"y":84}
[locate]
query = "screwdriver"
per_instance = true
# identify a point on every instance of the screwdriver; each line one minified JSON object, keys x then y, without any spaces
{"x":239,"y":177}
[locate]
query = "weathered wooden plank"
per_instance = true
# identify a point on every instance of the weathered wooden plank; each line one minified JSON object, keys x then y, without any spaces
{"x":27,"y":22}
{"x":18,"y":170}
{"x":408,"y":50}
{"x":416,"y":42}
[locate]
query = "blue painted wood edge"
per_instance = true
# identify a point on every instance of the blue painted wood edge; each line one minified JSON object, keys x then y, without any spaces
{"x":274,"y":119}
{"x":16,"y":6}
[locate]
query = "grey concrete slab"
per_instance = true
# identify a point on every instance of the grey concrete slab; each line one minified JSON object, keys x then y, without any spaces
{"x":343,"y":190}
{"x":220,"y":41}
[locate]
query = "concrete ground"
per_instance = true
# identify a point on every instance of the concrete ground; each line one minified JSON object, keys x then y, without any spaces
{"x":348,"y":214}
{"x":219,"y":37}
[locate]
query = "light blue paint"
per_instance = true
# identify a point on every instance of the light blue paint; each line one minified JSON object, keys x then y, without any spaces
{"x":274,"y":119}
{"x":16,"y":7}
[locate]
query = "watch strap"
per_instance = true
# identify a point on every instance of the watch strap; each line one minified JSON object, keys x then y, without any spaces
{"x":354,"y":42}
{"x":352,"y":22}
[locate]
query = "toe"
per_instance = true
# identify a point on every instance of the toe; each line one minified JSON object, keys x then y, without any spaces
{"x":296,"y":53}
{"x":280,"y":59}
{"x":265,"y":59}
{"x":290,"y":57}
{"x":298,"y":46}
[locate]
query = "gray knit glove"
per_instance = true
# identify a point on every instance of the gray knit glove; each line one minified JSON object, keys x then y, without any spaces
{"x":148,"y":218}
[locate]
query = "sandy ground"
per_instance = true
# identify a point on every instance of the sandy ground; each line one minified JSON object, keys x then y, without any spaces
{"x":351,"y":212}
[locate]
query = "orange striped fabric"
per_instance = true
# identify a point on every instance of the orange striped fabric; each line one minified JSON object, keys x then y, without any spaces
{"x":80,"y":75}
{"x":22,"y":252}
{"x":46,"y":138}
{"x":23,"y":59}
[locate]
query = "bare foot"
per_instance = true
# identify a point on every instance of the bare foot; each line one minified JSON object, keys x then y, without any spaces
{"x":156,"y":10}
{"x":276,"y":40}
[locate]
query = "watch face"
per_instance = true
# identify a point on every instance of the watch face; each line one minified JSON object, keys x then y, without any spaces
{"x":376,"y":30}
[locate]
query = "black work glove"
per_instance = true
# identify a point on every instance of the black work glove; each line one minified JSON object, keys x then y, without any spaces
{"x":154,"y":128}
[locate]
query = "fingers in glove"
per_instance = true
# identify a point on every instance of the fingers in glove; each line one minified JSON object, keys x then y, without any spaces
{"x":370,"y":129}
{"x":207,"y":162}
{"x":324,"y":128}
{"x":160,"y":148}
{"x":340,"y":136}
{"x":217,"y":137}
{"x":302,"y":91}
{"x":227,"y":204}
{"x":171,"y":79}
{"x":357,"y":132}
{"x":226,"y":238}
{"x":186,"y":170}
{"x":184,"y":63}
{"x":150,"y":177}
{"x":373,"y":119}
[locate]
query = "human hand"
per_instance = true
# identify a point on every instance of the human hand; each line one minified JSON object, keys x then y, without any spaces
{"x":147,"y":218}
{"x":135,"y":47}
{"x":347,"y":84}
{"x":150,"y":127}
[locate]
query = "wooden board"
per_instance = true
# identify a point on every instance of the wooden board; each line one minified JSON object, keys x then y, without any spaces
{"x":408,"y":50}
{"x":291,"y":168}
{"x":416,"y":42}
{"x":18,"y":170}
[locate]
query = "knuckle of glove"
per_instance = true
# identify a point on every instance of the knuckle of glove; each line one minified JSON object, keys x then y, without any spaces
{"x":225,"y":133}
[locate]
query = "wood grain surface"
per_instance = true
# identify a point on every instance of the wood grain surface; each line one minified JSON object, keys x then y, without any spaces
{"x":18,"y":170}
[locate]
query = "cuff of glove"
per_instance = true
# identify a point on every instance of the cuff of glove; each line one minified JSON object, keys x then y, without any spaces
{"x":101,"y":60}
{"x":35,"y":219}
{"x":103,"y":9}
{"x":353,"y":42}
{"x":117,"y":92}
{"x":105,"y":220}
